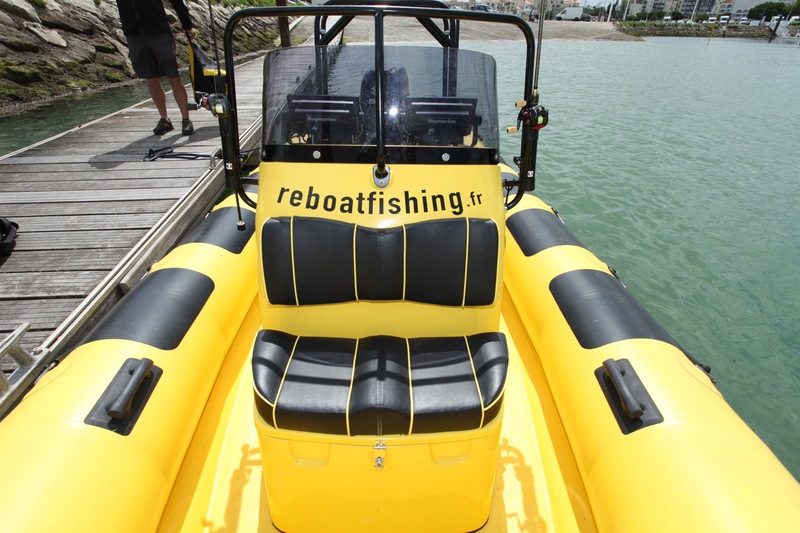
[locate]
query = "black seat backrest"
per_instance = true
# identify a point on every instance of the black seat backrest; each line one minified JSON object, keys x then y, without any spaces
{"x":448,"y":262}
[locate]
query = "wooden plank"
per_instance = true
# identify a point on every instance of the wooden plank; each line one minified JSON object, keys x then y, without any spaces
{"x":98,"y":196}
{"x":88,"y":144}
{"x":65,"y":284}
{"x":48,"y":159}
{"x":43,"y":314}
{"x":58,"y":223}
{"x":74,"y":175}
{"x":132,"y":182}
{"x":127,"y":143}
{"x":21,"y":166}
{"x":15,"y":211}
{"x":39,"y":260}
{"x":68,"y":240}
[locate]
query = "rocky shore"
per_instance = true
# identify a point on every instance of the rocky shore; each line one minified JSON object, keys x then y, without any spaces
{"x":50,"y":48}
{"x":641,"y":29}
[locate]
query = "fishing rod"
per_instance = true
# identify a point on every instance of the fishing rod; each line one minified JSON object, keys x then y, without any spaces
{"x":531,"y":118}
{"x":216,"y":48}
{"x":220,"y":107}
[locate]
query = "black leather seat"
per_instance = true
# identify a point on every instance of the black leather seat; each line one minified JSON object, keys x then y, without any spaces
{"x":379,"y":385}
{"x":310,"y":261}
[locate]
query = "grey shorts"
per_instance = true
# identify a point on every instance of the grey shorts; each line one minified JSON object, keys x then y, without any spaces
{"x":153,"y":56}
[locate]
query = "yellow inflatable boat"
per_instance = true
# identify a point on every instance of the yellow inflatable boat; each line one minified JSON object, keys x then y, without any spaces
{"x":392,"y":334}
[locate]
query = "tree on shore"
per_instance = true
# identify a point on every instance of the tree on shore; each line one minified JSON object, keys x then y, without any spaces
{"x":769,"y":10}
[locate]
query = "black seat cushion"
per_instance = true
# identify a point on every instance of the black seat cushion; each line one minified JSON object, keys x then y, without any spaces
{"x":450,"y":262}
{"x":379,"y":385}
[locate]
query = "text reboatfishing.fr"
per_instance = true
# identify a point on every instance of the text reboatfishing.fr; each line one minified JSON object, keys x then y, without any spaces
{"x":378,"y":203}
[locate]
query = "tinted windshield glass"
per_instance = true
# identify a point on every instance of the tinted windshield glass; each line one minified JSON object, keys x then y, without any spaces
{"x":436,"y":101}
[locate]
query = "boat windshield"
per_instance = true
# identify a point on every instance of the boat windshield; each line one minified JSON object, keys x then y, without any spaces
{"x":439,"y":105}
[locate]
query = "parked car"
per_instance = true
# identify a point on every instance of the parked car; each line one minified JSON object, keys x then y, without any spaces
{"x":484,"y":8}
{"x":570,"y":13}
{"x":711,"y":20}
{"x":744,"y":20}
{"x":724,"y":19}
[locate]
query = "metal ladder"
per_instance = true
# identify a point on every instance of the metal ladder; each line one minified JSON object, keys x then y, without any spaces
{"x":13,"y":386}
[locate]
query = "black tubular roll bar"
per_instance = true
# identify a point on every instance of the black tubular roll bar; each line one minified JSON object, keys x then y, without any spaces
{"x":422,"y":10}
{"x":447,"y":36}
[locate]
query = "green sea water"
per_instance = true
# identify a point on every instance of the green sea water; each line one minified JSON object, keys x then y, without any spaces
{"x":675,"y":160}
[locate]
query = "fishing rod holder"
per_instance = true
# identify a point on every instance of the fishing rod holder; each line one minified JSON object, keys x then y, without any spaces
{"x":531,"y":119}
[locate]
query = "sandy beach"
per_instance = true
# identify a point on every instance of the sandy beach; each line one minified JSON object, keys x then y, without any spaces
{"x":409,"y":30}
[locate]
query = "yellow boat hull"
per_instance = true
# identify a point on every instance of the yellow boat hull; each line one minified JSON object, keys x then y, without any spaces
{"x":193,"y":461}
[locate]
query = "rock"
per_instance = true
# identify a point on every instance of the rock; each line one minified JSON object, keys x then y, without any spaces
{"x":51,"y":6}
{"x":20,"y":8}
{"x":22,"y":74}
{"x":56,"y":19}
{"x":110,"y":61}
{"x":18,"y":41}
{"x":54,"y":47}
{"x":105,"y":46}
{"x":47,"y":66}
{"x":48,"y":36}
{"x":86,"y":6}
{"x":79,"y":51}
{"x":85,"y":18}
{"x":6,"y":20}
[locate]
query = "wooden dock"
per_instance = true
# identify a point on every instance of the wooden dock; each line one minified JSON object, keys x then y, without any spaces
{"x":86,"y":202}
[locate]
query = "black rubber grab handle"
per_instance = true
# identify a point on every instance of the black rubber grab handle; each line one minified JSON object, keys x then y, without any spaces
{"x":632,"y":406}
{"x":122,"y":404}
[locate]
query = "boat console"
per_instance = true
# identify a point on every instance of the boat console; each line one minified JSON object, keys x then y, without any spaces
{"x":380,"y":366}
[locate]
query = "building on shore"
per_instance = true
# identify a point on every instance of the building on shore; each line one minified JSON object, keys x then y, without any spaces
{"x":738,"y":8}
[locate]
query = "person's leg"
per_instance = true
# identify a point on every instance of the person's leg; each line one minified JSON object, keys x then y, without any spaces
{"x":179,"y":92}
{"x":158,"y":96}
{"x":181,"y":98}
{"x":160,"y":100}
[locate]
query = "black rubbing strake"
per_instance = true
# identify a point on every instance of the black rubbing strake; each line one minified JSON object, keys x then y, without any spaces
{"x":159,"y":310}
{"x":220,"y":229}
{"x":600,"y":310}
{"x":536,"y":230}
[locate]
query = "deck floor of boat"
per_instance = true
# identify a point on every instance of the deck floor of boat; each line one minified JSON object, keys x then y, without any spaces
{"x":220,"y":485}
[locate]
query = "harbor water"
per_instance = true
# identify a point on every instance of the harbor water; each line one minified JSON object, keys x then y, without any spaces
{"x":675,"y":161}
